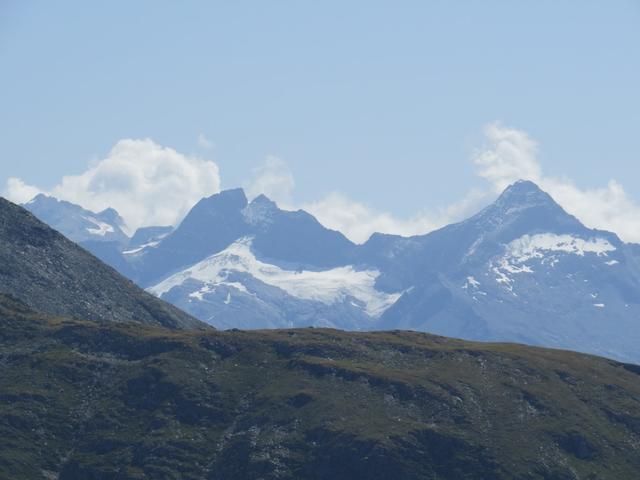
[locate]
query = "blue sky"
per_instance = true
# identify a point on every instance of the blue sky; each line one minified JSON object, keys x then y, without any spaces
{"x":382,"y":102}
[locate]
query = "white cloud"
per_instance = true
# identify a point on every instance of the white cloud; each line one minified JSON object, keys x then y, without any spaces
{"x":148,"y":184}
{"x":355,"y":220}
{"x":204,"y":142}
{"x":19,"y":192}
{"x":606,"y":208}
{"x":273,"y":179}
{"x":358,"y":221}
{"x":154,"y":185}
{"x":511,"y":155}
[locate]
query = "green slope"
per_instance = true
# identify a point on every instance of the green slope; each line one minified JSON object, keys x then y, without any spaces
{"x":81,"y":400}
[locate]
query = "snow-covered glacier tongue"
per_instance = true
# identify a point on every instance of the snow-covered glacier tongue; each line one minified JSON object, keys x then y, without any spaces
{"x":236,"y":282}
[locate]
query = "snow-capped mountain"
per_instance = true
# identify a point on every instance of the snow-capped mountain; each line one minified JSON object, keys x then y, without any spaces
{"x":76,"y":223}
{"x":103,"y":233}
{"x":100,"y":233}
{"x":253,"y":265}
{"x":214,"y":223}
{"x":521,"y":270}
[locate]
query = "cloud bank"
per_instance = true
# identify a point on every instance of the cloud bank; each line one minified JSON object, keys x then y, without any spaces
{"x":148,"y":184}
{"x":508,"y":155}
{"x":356,"y":220}
{"x":154,"y":185}
{"x":273,"y":179}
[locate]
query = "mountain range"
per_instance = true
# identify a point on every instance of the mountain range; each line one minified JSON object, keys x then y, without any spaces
{"x":101,"y":380}
{"x":521,"y":270}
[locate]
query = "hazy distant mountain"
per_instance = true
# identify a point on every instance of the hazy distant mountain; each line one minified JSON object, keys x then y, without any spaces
{"x":521,"y":270}
{"x":76,"y":223}
{"x":48,"y":272}
{"x":101,"y":233}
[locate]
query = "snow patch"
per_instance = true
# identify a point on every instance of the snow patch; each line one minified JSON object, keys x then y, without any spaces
{"x":534,"y":246}
{"x":102,"y":228}
{"x":471,"y":282}
{"x":211,"y":288}
{"x":140,"y":248}
{"x":543,"y":246}
{"x":473,"y":287}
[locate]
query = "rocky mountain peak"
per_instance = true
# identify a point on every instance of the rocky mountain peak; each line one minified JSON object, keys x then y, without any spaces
{"x":524,"y":193}
{"x":525,"y":208}
{"x":260,"y":211}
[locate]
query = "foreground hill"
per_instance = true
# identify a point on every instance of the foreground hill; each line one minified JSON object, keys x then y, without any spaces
{"x":54,"y":275}
{"x":82,"y":400}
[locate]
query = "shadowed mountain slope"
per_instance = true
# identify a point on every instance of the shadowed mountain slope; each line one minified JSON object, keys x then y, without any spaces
{"x":54,"y":275}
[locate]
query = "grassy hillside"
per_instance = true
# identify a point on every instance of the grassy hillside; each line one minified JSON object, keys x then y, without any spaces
{"x":81,"y":400}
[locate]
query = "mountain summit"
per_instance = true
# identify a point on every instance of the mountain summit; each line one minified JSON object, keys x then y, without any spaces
{"x":524,"y":207}
{"x":77,"y":223}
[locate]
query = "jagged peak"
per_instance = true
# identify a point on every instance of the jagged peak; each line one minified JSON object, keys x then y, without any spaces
{"x":43,"y":203}
{"x":260,"y":211}
{"x":262,"y":199}
{"x":518,"y":198}
{"x":43,"y":198}
{"x":111,"y":215}
{"x":524,"y":201}
{"x":234,"y":199}
{"x":524,"y":193}
{"x":232,"y":192}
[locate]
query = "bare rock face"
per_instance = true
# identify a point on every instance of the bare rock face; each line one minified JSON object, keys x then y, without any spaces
{"x":50,"y":273}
